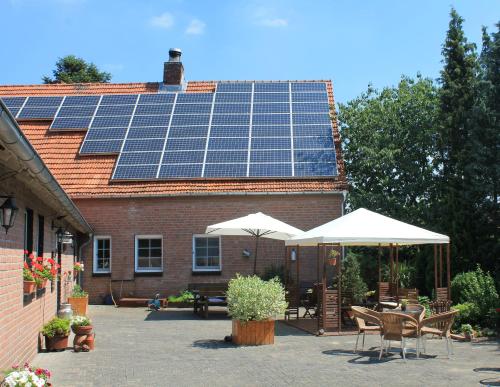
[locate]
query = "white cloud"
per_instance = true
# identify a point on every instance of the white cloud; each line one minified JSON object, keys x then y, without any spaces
{"x":165,"y":21}
{"x":278,"y":22}
{"x":195,"y":27}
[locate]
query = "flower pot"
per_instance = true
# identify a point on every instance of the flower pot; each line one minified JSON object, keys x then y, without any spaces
{"x":468,"y":336}
{"x":332,"y":261}
{"x":29,"y":287}
{"x":90,"y":341}
{"x":82,"y":330}
{"x":79,"y":305}
{"x":43,"y":284}
{"x":56,"y":343}
{"x":253,"y":332}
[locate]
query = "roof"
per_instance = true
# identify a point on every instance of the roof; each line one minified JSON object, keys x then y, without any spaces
{"x":366,"y":228}
{"x":89,"y":176}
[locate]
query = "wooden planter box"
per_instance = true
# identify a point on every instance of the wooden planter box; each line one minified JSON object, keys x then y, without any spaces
{"x":79,"y":305}
{"x":253,"y":332}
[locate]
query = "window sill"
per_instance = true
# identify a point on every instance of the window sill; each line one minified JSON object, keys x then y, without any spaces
{"x":101,"y":274}
{"x":148,"y":274}
{"x":206,"y":272}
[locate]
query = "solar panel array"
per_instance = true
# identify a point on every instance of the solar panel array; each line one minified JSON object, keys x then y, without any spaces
{"x":243,"y":129}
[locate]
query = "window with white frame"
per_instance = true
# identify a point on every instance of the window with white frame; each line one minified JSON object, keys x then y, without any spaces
{"x":206,"y":253}
{"x":148,"y":253}
{"x":102,"y":254}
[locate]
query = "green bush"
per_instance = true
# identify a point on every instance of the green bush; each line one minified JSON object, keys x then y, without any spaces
{"x":56,"y":327}
{"x":351,"y":278}
{"x":185,"y":296}
{"x":468,"y":313}
{"x":251,"y":298}
{"x":78,"y":292}
{"x":425,"y":302}
{"x":274,"y":271}
{"x":478,"y":288}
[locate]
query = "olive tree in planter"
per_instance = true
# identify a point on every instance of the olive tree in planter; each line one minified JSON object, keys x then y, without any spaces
{"x":253,"y":303}
{"x":56,"y":333}
{"x":79,"y":301}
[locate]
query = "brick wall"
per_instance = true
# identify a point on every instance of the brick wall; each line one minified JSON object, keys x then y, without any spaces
{"x":177,"y":219}
{"x":21,"y":322}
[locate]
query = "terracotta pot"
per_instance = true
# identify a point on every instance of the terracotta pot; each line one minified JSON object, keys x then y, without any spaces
{"x":468,"y":336}
{"x":253,"y":332}
{"x":90,"y":341}
{"x":79,"y":305}
{"x":86,"y":330}
{"x":56,"y":343}
{"x":332,"y":261}
{"x":43,"y":284}
{"x":29,"y":287}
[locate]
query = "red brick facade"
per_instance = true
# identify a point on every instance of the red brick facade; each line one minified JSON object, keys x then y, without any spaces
{"x":177,"y":219}
{"x":20,"y":320}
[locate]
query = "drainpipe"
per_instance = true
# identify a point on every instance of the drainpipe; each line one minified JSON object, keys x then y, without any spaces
{"x":80,"y":248}
{"x":344,"y":198}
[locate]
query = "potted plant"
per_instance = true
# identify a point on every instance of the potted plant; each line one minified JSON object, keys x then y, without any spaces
{"x":27,"y":376}
{"x":29,"y":283}
{"x":81,"y":325}
{"x":467,"y":331}
{"x":332,"y":257}
{"x":79,"y":300}
{"x":56,"y":333}
{"x":252,"y":304}
{"x":404,"y":304}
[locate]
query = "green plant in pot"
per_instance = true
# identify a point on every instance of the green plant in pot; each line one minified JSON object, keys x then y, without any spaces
{"x":252,"y":304}
{"x":56,"y":333}
{"x":79,"y":301}
{"x":467,"y":331}
{"x":404,"y":304}
{"x":81,"y":325}
{"x":29,"y":284}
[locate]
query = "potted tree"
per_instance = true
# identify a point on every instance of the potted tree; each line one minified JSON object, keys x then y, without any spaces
{"x":56,"y":333}
{"x":29,"y":283}
{"x":252,"y":303}
{"x":79,"y":300}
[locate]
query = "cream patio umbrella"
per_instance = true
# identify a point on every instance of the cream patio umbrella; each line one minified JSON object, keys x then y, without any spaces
{"x":258,"y":225}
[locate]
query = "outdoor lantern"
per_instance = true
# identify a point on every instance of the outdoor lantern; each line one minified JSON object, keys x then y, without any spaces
{"x":8,"y":212}
{"x":60,"y":235}
{"x":245,"y":253}
{"x":293,"y":255}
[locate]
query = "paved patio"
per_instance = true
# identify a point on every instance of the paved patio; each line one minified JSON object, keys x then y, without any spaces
{"x":174,"y":348}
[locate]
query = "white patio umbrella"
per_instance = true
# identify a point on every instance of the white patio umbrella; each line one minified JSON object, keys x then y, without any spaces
{"x":258,"y":225}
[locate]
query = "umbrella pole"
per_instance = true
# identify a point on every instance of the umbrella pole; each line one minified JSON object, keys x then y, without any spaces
{"x":255,"y":255}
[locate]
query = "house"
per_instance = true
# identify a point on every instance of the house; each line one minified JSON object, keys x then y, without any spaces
{"x":41,"y":207}
{"x":150,"y":165}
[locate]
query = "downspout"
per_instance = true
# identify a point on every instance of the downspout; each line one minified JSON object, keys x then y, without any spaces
{"x":344,"y":198}
{"x":15,"y":141}
{"x":80,"y":248}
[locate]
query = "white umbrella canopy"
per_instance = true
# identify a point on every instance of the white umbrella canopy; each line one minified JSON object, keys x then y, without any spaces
{"x":366,"y":228}
{"x":258,"y":225}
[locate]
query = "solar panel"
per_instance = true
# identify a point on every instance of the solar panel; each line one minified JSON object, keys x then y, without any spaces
{"x":244,"y":129}
{"x":14,"y":111}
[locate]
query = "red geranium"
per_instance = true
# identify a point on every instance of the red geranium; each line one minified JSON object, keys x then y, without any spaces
{"x":26,"y":265}
{"x":51,"y":261}
{"x":40,"y":259}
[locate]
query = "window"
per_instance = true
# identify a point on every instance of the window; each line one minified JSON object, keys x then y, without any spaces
{"x":102,"y":254}
{"x":41,"y":235}
{"x":28,"y":231}
{"x":148,"y":253}
{"x":206,"y":253}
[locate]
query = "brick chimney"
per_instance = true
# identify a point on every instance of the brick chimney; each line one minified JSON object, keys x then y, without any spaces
{"x":173,"y":70}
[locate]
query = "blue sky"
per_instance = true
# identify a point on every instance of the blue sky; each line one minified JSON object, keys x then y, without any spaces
{"x":351,"y":42}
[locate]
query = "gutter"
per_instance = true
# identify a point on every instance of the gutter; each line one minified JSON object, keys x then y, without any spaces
{"x":16,"y":142}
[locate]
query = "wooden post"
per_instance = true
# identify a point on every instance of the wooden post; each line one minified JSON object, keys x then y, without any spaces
{"x":441,"y":266}
{"x":448,"y":270}
{"x":397,"y":270}
{"x":319,"y":315}
{"x":379,"y":263}
{"x":435,"y":271}
{"x":287,"y":268}
{"x":391,"y":268}
{"x":339,"y":273}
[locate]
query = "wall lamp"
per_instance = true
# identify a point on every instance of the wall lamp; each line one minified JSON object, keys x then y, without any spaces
{"x":8,"y":212}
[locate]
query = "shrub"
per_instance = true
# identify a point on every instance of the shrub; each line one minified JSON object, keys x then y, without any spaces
{"x":185,"y":296}
{"x":251,"y":298}
{"x":274,"y":271}
{"x":467,"y":313}
{"x":78,"y":292}
{"x":56,"y":327}
{"x":80,"y":321}
{"x":351,"y":278}
{"x":478,"y":288}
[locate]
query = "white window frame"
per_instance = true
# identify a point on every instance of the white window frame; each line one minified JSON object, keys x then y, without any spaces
{"x":95,"y":269}
{"x":136,"y":255}
{"x":194,"y":253}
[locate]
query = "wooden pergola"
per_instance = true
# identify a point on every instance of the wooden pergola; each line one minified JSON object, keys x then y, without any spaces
{"x":362,"y":228}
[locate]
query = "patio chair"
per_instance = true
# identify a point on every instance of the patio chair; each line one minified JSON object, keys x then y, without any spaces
{"x":438,"y":325}
{"x":363,"y":317}
{"x":398,"y":327}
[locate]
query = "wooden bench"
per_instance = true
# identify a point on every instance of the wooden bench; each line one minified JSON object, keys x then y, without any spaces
{"x":206,"y":295}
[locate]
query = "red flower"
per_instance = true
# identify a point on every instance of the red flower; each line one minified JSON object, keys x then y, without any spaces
{"x":38,"y":371}
{"x":31,"y":256}
{"x":38,"y":266}
{"x":51,"y":261}
{"x":26,"y":251}
{"x":53,"y":272}
{"x":40,"y":259}
{"x":26,"y":265}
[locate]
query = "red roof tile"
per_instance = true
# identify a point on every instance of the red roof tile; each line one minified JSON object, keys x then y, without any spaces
{"x":89,"y":176}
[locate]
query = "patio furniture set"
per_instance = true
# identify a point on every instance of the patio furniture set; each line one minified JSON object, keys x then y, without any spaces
{"x":398,"y":325}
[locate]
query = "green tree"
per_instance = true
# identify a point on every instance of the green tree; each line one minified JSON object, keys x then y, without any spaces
{"x":454,"y":206}
{"x":72,"y":69}
{"x":352,"y":282}
{"x":388,"y":147}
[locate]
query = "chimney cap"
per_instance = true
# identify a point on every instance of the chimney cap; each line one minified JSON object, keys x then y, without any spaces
{"x":174,"y":53}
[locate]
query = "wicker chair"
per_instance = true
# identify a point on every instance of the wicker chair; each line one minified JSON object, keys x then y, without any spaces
{"x":398,"y":327}
{"x":363,"y":317}
{"x":438,"y":325}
